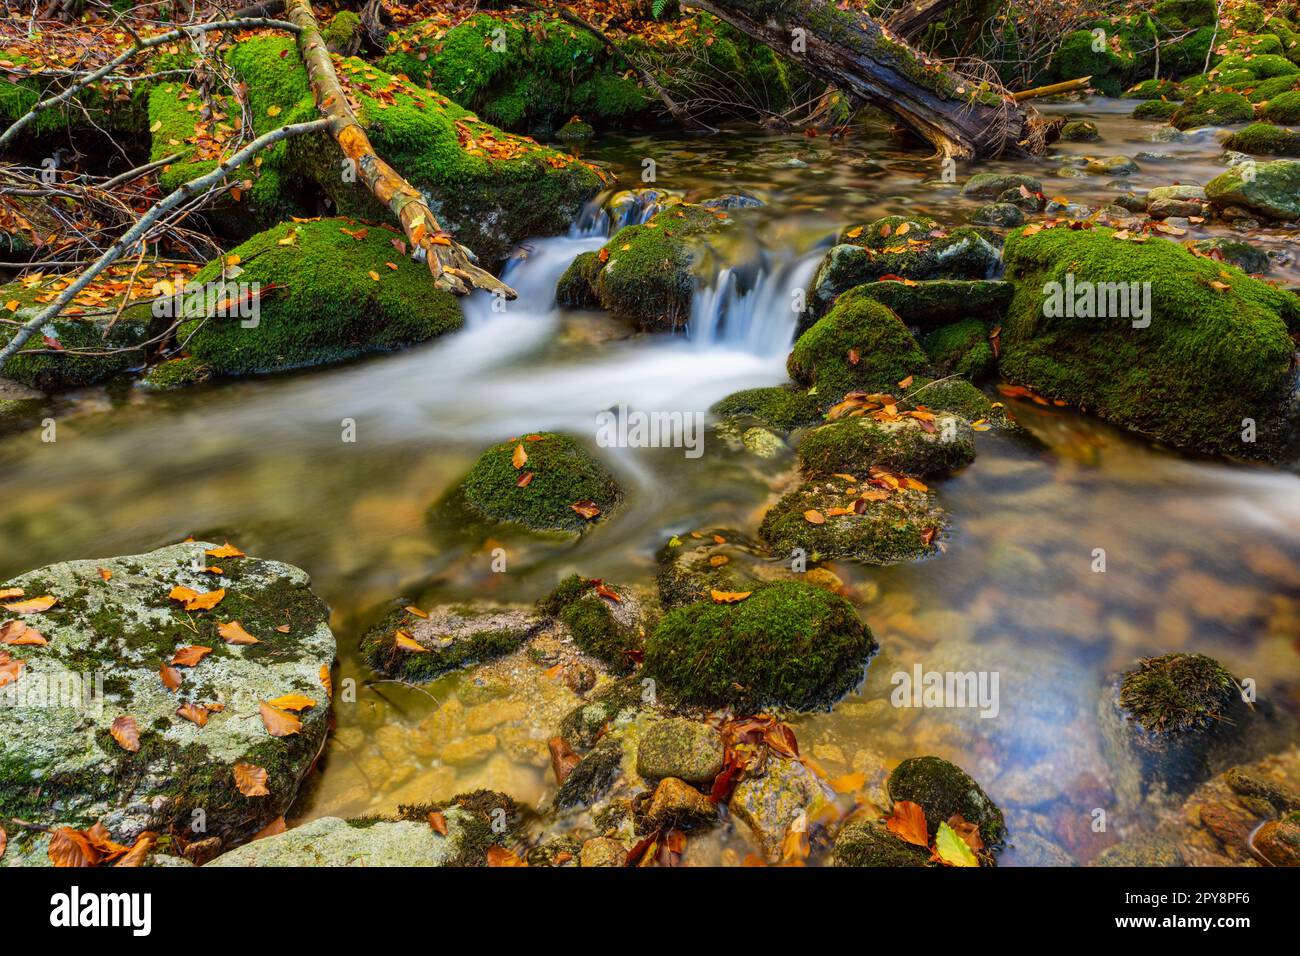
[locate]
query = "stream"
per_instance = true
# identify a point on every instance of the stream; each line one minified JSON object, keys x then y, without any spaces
{"x":1200,"y":556}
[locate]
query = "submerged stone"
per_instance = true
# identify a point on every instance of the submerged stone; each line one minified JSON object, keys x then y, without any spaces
{"x":769,"y":802}
{"x":687,"y":749}
{"x":942,"y":789}
{"x":868,"y":843}
{"x":446,"y":638}
{"x":112,"y":629}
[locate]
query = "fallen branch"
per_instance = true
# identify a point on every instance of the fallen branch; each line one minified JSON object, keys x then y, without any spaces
{"x":451,"y":264}
{"x":134,"y":50}
{"x":1065,"y":86}
{"x":137,"y":233}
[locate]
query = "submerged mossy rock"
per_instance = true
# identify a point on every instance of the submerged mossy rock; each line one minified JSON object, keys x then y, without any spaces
{"x":782,"y":406}
{"x":645,"y":273}
{"x":922,"y":250}
{"x":788,"y":644}
{"x":689,"y":750}
{"x":608,"y":628}
{"x":488,"y":188}
{"x":320,"y":302}
{"x":693,"y":565}
{"x":1176,"y":720}
{"x":564,"y":474}
{"x":447,"y":638}
{"x":910,"y":445}
{"x":1209,"y":324}
{"x":992,"y":185}
{"x":1239,"y":252}
{"x":1270,"y":189}
{"x":859,"y":345}
{"x":903,"y":526}
{"x":115,"y":623}
{"x":769,"y":801}
{"x":1265,"y":139}
{"x":49,"y":362}
{"x":867,"y":843}
{"x":942,"y":789}
{"x":330,"y":841}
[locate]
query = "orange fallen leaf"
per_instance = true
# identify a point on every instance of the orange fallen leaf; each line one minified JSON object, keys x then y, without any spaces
{"x":520,"y":457}
{"x":412,"y":609}
{"x":33,"y":605}
{"x":232,"y":632}
{"x":728,"y":597}
{"x":849,"y":783}
{"x":438,"y":822}
{"x":326,"y":681}
{"x":908,"y":823}
{"x":586,"y":508}
{"x":4,"y":842}
{"x":17,"y":634}
{"x":813,"y":516}
{"x":6,"y":593}
{"x":525,"y":480}
{"x":126,"y":733}
{"x":106,"y":574}
{"x":250,"y":779}
{"x":407,"y":643}
{"x":171,"y":677}
{"x":190,"y":656}
{"x":294,"y":702}
{"x":227,"y":550}
{"x":500,"y":856}
{"x":276,"y":826}
{"x":194,"y":713}
{"x":139,"y":851}
{"x":71,"y":848}
{"x":277,"y":722}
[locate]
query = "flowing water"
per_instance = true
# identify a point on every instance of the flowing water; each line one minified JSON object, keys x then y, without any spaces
{"x":1200,"y":556}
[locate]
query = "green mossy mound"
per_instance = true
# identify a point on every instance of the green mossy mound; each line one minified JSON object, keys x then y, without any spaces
{"x":1213,"y":108}
{"x":1153,"y":90}
{"x":592,"y":623}
{"x":59,"y":764}
{"x":1109,"y":67}
{"x":1264,"y":139}
{"x":50,"y":360}
{"x":903,"y":527}
{"x":962,"y":348}
{"x":564,"y":473}
{"x":1283,"y":108}
{"x":1080,"y":131}
{"x":645,"y":273}
{"x":1261,"y":66}
{"x":940,"y":301}
{"x":1177,"y":692}
{"x":488,"y":198}
{"x":319,"y":302}
{"x":1165,"y":380}
{"x":853,"y":445}
{"x":1270,"y":189}
{"x":1155,"y":110}
{"x":942,"y":789}
{"x":867,"y":843}
{"x":787,"y":645}
{"x":781,"y":406}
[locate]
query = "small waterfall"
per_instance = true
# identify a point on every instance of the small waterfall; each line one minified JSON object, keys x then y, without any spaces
{"x":753,"y":309}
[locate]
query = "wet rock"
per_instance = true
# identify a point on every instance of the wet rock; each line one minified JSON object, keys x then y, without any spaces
{"x":941,"y":789}
{"x":781,"y":406}
{"x":870,"y":844}
{"x":1112,"y":166}
{"x":595,"y":775}
{"x":990,"y":185}
{"x":575,"y":131}
{"x":106,"y":640}
{"x":1174,"y":721}
{"x":603,"y":851}
{"x":1002,"y":214}
{"x":1029,"y":849}
{"x":330,"y":841}
{"x":1022,"y":199}
{"x":1240,"y":253}
{"x":617,"y":702}
{"x":469,"y":750}
{"x":732,"y":201}
{"x":1273,"y":191}
{"x":602,"y":619}
{"x":450,"y":637}
{"x":910,"y":445}
{"x":1080,"y":131}
{"x":769,"y":802}
{"x":788,"y":644}
{"x":761,"y":442}
{"x":677,"y":803}
{"x":1174,"y":209}
{"x":1181,"y":191}
{"x":687,"y":749}
{"x":935,"y":302}
{"x":1141,"y":851}
{"x":692,"y":565}
{"x":1278,"y":842}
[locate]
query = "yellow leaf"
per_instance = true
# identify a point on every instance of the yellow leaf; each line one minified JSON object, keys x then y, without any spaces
{"x":728,"y":597}
{"x":408,"y":643}
{"x":294,"y":702}
{"x":273,"y":111}
{"x":952,"y":849}
{"x":33,"y":605}
{"x":520,"y":457}
{"x":12,"y":305}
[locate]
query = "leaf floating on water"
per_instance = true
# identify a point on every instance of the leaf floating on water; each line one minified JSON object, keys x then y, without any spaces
{"x":500,"y":856}
{"x":980,"y":425}
{"x":126,"y":733}
{"x":190,"y":656}
{"x":849,"y":783}
{"x":586,"y":508}
{"x":194,"y":713}
{"x":171,"y":677}
{"x":250,"y":779}
{"x":233,"y":632}
{"x":520,"y":457}
{"x":951,"y":849}
{"x":728,"y":597}
{"x":227,"y":550}
{"x":813,"y":516}
{"x":277,"y":722}
{"x":908,"y":823}
{"x":33,"y":605}
{"x":294,"y":702}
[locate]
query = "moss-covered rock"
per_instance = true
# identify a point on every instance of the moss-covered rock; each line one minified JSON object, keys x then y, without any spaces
{"x":609,"y":630}
{"x":1239,"y":252}
{"x":1212,"y":108}
{"x":564,"y":474}
{"x":938,"y":302}
{"x":992,"y":185}
{"x":1283,"y":108}
{"x":962,"y":348}
{"x":1110,"y":67}
{"x":903,"y":526}
{"x":858,"y":345}
{"x":1163,"y":379}
{"x":593,"y":776}
{"x":445,"y":638}
{"x":1265,"y":139}
{"x":1155,"y":110}
{"x":1270,"y":189}
{"x":330,"y":841}
{"x":687,"y":749}
{"x":112,"y":629}
{"x":867,"y":843}
{"x":788,"y":644}
{"x":781,"y":406}
{"x":942,"y":789}
{"x":693,"y":565}
{"x":1004,"y":215}
{"x":910,"y":445}
{"x":1153,"y":90}
{"x":770,"y":799}
{"x":319,"y":302}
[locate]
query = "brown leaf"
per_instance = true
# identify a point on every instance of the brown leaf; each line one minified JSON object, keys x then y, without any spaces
{"x":190,"y":656}
{"x":11,"y":668}
{"x":563,"y":759}
{"x":326,"y":681}
{"x":233,"y":633}
{"x":586,"y":508}
{"x":71,"y":848}
{"x":908,"y":823}
{"x":126,"y":733}
{"x":520,"y":457}
{"x":4,"y":842}
{"x":525,"y":480}
{"x":438,"y":822}
{"x":278,"y":723}
{"x":194,"y":713}
{"x":6,"y":593}
{"x":813,"y":516}
{"x":500,"y":856}
{"x":33,"y":605}
{"x":607,"y":592}
{"x":171,"y":677}
{"x":17,"y":634}
{"x":250,"y":779}
{"x":106,"y":574}
{"x":139,"y":851}
{"x":227,"y":550}
{"x":102,"y":840}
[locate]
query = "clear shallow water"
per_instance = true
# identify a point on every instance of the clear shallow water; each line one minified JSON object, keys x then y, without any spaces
{"x":1200,"y":556}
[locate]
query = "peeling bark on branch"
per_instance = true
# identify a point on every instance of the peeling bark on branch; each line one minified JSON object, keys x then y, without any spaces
{"x":856,"y":54}
{"x":918,"y":15}
{"x":451,"y":264}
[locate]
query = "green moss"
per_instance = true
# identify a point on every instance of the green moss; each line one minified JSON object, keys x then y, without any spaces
{"x":1177,"y":692}
{"x":870,"y":844}
{"x":1271,"y":190}
{"x":1153,"y":90}
{"x":318,"y":301}
{"x":956,"y":395}
{"x":859,"y":345}
{"x":341,"y":31}
{"x":1164,"y":380}
{"x":1283,"y":108}
{"x":853,"y":445}
{"x":1155,"y":110}
{"x":1182,"y":14}
{"x":564,"y":473}
{"x":577,"y":287}
{"x":903,"y":527}
{"x":787,"y":645}
{"x":1265,"y":90}
{"x":1260,"y":66}
{"x":380,"y":651}
{"x":483,"y":810}
{"x":781,"y":406}
{"x":942,"y":789}
{"x":942,"y":301}
{"x":581,"y":726}
{"x":1109,"y":68}
{"x":1211,"y":108}
{"x":1265,"y":139}
{"x":596,"y":632}
{"x":962,"y":348}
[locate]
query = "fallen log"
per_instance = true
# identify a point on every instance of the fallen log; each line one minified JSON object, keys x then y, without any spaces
{"x":962,"y":118}
{"x":918,"y":15}
{"x":1065,"y":86}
